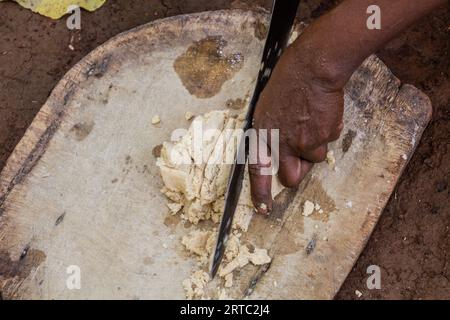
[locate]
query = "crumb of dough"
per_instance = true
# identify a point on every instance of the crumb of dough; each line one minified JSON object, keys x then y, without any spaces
{"x":171,"y":195}
{"x":232,"y":249}
{"x":200,"y":243}
{"x":331,"y":160}
{"x":242,"y":217}
{"x":188,"y":116}
{"x":174,"y":207}
{"x":194,"y":286}
{"x":156,"y":119}
{"x":308,"y":208}
{"x":258,"y":257}
{"x":316,"y":206}
{"x":229,"y":280}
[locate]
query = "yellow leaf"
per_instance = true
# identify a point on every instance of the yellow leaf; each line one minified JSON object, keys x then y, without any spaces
{"x":55,"y":9}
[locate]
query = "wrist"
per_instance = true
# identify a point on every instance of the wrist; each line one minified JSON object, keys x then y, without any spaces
{"x":318,"y":63}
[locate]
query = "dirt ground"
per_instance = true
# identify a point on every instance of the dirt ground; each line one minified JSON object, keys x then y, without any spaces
{"x":411,"y":242}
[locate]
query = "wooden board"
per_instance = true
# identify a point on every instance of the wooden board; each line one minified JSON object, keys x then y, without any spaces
{"x":82,"y":189}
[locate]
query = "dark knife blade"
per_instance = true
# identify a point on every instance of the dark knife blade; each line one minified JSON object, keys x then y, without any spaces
{"x":281,"y":22}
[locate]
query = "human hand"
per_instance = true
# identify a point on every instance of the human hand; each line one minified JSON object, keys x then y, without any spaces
{"x":306,"y":106}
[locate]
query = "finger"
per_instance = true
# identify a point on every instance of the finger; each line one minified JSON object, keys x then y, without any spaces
{"x":261,"y":190}
{"x":289,"y":172}
{"x":293,"y":170}
{"x":306,"y":167}
{"x":317,"y":155}
{"x":261,"y":181}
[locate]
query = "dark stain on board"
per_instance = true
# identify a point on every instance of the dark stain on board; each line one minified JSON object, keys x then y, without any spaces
{"x":29,"y":260}
{"x":348,"y":140}
{"x":60,"y":219}
{"x":260,"y":30}
{"x":311,"y":246}
{"x":70,"y":91}
{"x":204,"y":67}
{"x":281,"y":203}
{"x":37,"y":152}
{"x":236,"y":104}
{"x":157,"y":151}
{"x":147,"y":261}
{"x":255,"y":279}
{"x":81,"y":130}
{"x":98,"y":68}
{"x":24,"y":252}
{"x":172,"y":220}
{"x":105,"y":96}
{"x":128,"y":160}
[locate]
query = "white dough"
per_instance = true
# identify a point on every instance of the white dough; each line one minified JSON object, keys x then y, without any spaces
{"x":308,"y":208}
{"x":195,"y":181}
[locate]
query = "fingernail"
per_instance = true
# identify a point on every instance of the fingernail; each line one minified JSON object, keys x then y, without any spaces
{"x":263,"y":209}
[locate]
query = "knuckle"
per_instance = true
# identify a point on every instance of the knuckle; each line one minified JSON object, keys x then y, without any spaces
{"x":289,"y":181}
{"x":255,"y":169}
{"x":305,"y":144}
{"x":321,"y":157}
{"x":320,"y":154}
{"x":324,"y":135}
{"x":261,"y":196}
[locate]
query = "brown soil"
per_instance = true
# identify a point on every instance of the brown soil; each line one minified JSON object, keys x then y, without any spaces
{"x":411,"y":242}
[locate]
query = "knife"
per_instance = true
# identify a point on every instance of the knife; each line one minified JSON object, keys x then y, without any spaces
{"x":281,"y":22}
